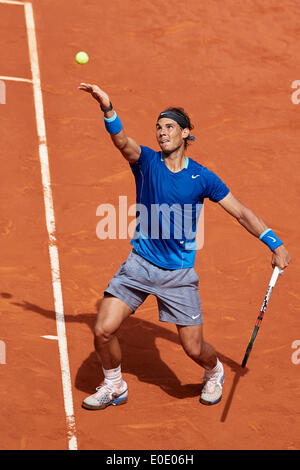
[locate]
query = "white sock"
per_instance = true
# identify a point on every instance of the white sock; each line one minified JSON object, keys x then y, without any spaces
{"x":214,"y":369}
{"x":113,"y":376}
{"x":217,"y":366}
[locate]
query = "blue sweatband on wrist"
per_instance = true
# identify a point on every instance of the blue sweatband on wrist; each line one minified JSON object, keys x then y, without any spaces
{"x":270,"y":239}
{"x":113,"y":125}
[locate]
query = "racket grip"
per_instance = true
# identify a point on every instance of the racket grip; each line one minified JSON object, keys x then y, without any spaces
{"x":275,"y":275}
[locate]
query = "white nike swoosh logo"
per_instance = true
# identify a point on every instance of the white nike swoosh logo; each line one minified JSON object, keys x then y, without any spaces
{"x":272,"y":238}
{"x":195,"y":176}
{"x":196,"y":316}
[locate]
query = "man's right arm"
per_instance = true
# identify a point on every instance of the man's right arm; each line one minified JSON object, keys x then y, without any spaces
{"x":126,"y":145}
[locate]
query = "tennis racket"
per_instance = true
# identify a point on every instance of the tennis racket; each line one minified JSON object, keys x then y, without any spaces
{"x":259,"y":319}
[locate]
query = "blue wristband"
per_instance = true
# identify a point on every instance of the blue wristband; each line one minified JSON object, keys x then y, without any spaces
{"x":270,"y":239}
{"x":113,"y":125}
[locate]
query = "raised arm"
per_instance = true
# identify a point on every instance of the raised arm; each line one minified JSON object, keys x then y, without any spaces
{"x":126,"y":145}
{"x":255,"y":226}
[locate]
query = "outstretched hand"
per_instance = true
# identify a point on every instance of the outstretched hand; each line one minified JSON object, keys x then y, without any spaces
{"x":96,"y":92}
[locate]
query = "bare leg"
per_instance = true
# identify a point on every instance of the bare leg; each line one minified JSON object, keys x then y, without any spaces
{"x":112,"y":313}
{"x":205,"y":355}
{"x":191,"y":338}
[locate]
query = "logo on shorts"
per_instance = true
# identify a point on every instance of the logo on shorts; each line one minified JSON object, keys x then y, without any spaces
{"x":195,"y":176}
{"x":195,"y":316}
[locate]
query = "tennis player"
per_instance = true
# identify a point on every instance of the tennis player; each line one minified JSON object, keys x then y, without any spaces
{"x":162,"y":260}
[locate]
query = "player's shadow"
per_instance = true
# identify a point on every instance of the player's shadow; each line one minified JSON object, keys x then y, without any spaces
{"x":140,"y":355}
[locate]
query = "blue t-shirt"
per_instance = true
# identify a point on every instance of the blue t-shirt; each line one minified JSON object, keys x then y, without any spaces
{"x":168,"y":208}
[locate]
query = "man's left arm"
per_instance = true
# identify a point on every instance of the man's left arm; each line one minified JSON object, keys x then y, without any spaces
{"x":255,"y":226}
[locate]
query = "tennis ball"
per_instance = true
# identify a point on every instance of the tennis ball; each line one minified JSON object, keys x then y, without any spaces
{"x":82,"y":57}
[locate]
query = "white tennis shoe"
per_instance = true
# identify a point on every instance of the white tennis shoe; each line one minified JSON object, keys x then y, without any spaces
{"x":105,"y":396}
{"x":213,"y":383}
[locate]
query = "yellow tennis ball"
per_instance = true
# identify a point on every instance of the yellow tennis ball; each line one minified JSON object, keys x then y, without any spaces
{"x":82,"y":57}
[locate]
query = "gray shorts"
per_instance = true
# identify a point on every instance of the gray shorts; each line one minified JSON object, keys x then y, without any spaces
{"x":176,"y":290}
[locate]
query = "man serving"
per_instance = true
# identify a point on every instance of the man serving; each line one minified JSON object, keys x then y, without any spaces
{"x":162,"y":260}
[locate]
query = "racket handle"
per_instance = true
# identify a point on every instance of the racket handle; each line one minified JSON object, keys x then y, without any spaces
{"x":275,"y":275}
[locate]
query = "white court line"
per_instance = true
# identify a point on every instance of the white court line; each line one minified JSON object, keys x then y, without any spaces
{"x":15,"y":79}
{"x":50,"y":222}
{"x":50,"y":337}
{"x":10,"y":2}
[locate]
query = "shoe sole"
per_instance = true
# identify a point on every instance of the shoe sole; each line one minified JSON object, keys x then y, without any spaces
{"x":209,"y":403}
{"x":102,"y":407}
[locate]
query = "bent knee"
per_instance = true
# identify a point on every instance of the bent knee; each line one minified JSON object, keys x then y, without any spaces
{"x":194,"y":350}
{"x":102,"y":334}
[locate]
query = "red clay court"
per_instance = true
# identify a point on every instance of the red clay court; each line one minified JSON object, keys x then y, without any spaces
{"x":231,"y":65}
